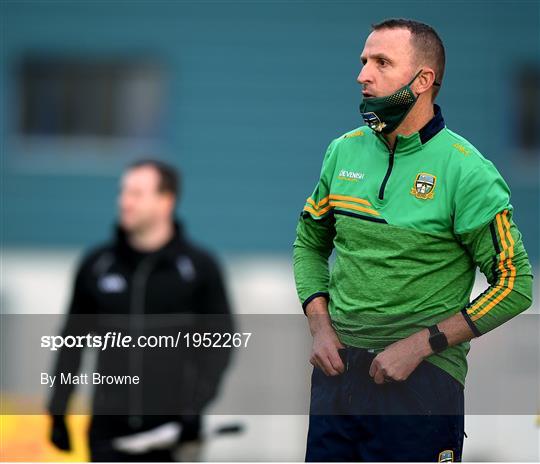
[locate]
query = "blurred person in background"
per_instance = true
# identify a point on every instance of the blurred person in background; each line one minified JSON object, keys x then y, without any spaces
{"x":412,"y":209}
{"x":151,"y":264}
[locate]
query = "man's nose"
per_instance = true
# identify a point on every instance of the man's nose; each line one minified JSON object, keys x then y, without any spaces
{"x":364,"y":77}
{"x":123,"y":202}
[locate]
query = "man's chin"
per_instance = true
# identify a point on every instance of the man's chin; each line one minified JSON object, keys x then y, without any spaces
{"x":128,"y":227}
{"x":134,"y":225}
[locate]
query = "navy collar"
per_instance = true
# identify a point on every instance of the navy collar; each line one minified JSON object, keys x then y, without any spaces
{"x":433,"y":127}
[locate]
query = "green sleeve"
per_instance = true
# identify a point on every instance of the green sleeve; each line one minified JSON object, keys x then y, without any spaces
{"x":481,"y":194}
{"x":314,"y":237}
{"x":497,"y":249}
{"x":483,"y":223}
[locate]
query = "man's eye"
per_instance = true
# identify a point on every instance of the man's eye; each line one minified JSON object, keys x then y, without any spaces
{"x":382,"y":62}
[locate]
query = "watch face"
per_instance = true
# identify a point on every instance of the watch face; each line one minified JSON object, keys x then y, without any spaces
{"x":438,"y":342}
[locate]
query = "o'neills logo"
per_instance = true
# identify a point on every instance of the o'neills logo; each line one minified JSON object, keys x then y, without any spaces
{"x":350,"y":175}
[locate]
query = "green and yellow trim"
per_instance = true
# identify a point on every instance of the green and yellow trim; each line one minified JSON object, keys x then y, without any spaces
{"x":504,"y":286}
{"x":335,"y":201}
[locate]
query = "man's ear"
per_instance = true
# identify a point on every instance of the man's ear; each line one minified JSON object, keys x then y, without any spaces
{"x":425,"y":80}
{"x":170,"y":201}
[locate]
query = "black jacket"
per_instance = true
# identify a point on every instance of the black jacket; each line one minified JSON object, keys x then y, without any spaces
{"x":116,"y":281}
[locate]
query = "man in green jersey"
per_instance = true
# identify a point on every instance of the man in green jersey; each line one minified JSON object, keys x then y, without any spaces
{"x":411,"y":210}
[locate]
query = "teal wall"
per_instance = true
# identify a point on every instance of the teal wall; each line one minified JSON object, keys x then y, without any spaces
{"x":255,"y":92}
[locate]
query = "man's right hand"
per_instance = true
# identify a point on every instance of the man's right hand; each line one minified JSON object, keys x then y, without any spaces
{"x":60,"y":434}
{"x":324,"y":353}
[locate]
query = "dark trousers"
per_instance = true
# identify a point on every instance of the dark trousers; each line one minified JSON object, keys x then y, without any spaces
{"x":354,"y":419}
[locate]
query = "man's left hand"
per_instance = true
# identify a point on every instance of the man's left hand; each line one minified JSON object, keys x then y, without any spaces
{"x":400,"y":359}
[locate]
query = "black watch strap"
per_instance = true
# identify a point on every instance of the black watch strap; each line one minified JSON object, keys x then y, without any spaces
{"x":437,"y":339}
{"x":433,"y":330}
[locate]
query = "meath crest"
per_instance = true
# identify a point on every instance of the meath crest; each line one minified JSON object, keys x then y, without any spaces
{"x":446,"y":456}
{"x":373,"y":121}
{"x":424,"y":186}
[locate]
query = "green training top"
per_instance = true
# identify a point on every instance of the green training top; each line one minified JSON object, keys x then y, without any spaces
{"x":409,"y":227}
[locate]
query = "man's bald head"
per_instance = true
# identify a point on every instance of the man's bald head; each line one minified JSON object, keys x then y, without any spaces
{"x":426,"y":43}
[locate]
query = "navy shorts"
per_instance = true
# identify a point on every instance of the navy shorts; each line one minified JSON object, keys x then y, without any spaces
{"x":354,"y":419}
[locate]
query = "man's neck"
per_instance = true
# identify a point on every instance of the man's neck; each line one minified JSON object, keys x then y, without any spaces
{"x":419,"y":116}
{"x":153,"y":238}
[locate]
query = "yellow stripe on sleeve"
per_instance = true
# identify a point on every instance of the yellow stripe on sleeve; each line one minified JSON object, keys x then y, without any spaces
{"x":347,"y":203}
{"x":502,"y":259}
{"x":316,"y":213}
{"x":512,"y":268}
{"x":347,"y":198}
{"x":317,"y":205}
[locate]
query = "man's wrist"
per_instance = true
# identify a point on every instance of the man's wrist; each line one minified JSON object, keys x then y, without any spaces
{"x":317,"y":307}
{"x":317,"y":315}
{"x":318,"y":302}
{"x":423,"y":346}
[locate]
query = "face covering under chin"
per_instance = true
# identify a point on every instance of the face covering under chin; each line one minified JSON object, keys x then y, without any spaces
{"x":385,"y":114}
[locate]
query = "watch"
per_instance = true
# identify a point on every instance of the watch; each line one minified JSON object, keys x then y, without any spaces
{"x":437,"y":339}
